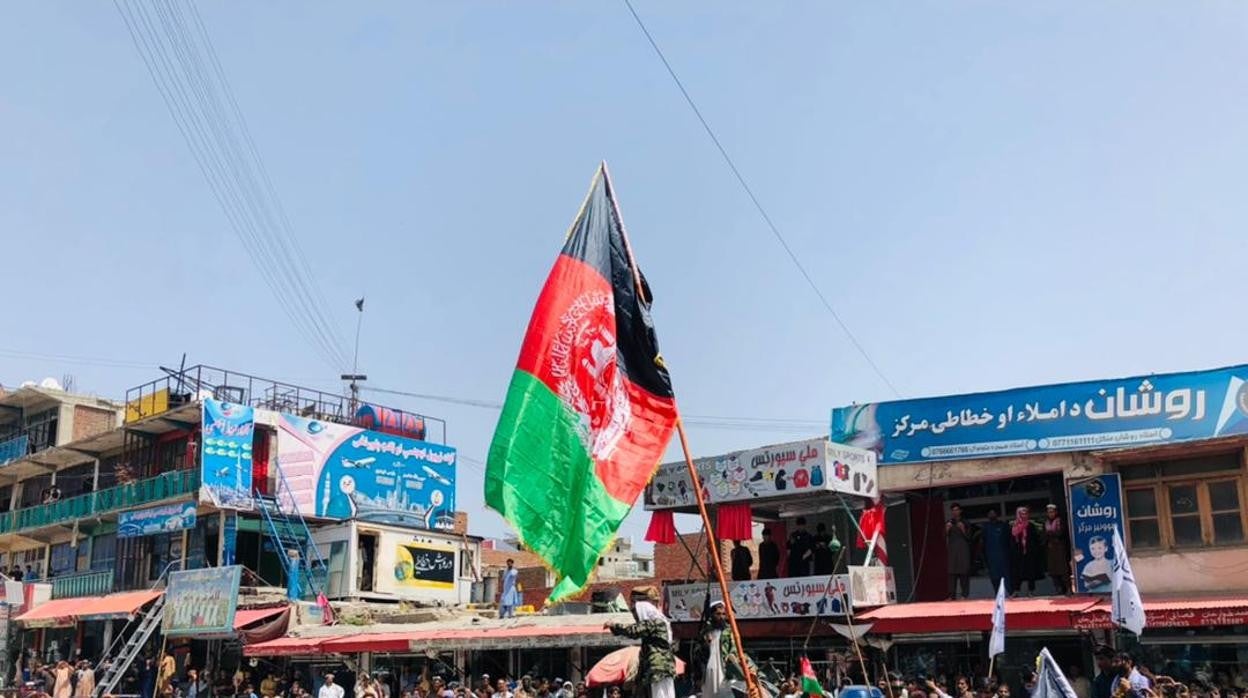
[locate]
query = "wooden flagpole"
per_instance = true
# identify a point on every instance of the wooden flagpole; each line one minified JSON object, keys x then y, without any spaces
{"x":751,"y":685}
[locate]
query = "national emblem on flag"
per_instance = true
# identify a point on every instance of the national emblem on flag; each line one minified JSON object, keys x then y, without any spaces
{"x":590,"y":408}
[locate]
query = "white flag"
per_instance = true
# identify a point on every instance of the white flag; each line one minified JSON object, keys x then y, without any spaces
{"x":1128,"y":608}
{"x":1050,"y":681}
{"x":996,"y":644}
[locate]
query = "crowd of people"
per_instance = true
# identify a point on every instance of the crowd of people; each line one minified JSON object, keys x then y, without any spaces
{"x":808,"y":554}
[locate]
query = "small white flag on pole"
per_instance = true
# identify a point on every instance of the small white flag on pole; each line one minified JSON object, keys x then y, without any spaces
{"x":996,"y":644}
{"x":1128,"y":607}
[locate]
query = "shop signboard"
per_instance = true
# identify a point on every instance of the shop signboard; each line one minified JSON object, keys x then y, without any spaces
{"x":337,"y":471}
{"x":202,"y":603}
{"x":165,"y":518}
{"x":793,"y":597}
{"x":872,"y":586}
{"x":1087,"y":416}
{"x":1095,"y":512}
{"x":422,"y":566}
{"x":226,"y":454}
{"x":797,"y":468}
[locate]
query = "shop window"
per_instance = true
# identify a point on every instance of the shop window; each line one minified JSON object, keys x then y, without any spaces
{"x":1186,"y":503}
{"x":337,"y":568}
{"x":103,"y":552}
{"x":64,"y":558}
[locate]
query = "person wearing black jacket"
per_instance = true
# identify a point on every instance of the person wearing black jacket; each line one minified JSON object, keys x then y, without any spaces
{"x":742,"y":561}
{"x":768,"y":557}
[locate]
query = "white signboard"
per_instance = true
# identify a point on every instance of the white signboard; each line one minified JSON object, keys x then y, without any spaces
{"x":872,"y":586}
{"x":783,"y":470}
{"x":795,"y":597}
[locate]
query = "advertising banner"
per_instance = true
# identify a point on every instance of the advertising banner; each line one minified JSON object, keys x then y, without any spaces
{"x":872,"y":586}
{"x":1095,"y":511}
{"x":340,"y":472}
{"x":147,"y":405}
{"x":226,"y":454}
{"x":796,"y":468}
{"x":1088,"y":416}
{"x":201,"y":603}
{"x":424,"y":566}
{"x":152,"y":520}
{"x":794,"y":597}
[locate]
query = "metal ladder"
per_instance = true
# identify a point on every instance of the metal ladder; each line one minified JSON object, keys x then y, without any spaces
{"x":148,"y":620}
{"x":290,"y":533}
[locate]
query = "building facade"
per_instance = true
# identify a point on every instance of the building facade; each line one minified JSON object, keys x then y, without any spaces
{"x":310,"y":493}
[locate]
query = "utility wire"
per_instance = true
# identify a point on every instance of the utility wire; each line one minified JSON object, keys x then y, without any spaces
{"x":184,"y":67}
{"x":803,"y":426}
{"x":775,"y":231}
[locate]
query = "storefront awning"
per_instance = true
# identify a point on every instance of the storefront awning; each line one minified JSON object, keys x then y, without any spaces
{"x":63,"y":612}
{"x":1175,"y":612}
{"x":285,"y":646}
{"x":244,"y":617}
{"x":1055,"y":613}
{"x":476,"y":639}
{"x":441,"y":639}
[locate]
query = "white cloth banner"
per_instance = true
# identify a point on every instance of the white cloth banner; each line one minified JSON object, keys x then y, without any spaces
{"x":1128,"y":607}
{"x":996,"y":644}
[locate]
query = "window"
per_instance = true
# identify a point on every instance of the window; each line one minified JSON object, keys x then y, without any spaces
{"x":63,"y":559}
{"x":103,"y":552}
{"x":1186,"y":503}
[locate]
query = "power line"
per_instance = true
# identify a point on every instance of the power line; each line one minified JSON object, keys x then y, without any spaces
{"x":804,"y":426}
{"x":191,"y":83}
{"x":757,"y":204}
{"x":83,"y":360}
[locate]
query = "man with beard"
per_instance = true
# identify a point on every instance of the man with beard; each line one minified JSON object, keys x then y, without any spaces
{"x":720,"y":647}
{"x":656,"y":664}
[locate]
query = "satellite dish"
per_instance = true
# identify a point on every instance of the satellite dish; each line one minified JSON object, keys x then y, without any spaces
{"x":51,"y":384}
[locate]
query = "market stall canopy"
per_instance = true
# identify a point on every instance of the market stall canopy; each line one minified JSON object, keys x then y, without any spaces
{"x":458,"y":634}
{"x":65,"y":612}
{"x":1056,"y":613}
{"x":620,"y":667}
{"x":253,"y":625}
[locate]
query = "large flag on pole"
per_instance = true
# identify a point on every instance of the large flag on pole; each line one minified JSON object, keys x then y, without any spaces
{"x":1050,"y":681}
{"x":996,"y":643}
{"x":590,"y":408}
{"x":1127,"y":606}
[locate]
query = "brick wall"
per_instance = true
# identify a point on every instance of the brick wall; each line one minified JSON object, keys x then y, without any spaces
{"x":461,"y":523}
{"x":89,"y":421}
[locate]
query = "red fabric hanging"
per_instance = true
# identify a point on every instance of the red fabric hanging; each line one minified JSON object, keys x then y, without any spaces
{"x":662,"y":528}
{"x":736,"y":521}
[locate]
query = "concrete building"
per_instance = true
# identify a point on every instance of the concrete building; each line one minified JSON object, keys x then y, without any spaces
{"x":310,"y":493}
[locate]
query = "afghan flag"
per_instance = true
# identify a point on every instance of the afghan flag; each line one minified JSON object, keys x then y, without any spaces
{"x":810,"y":682}
{"x":590,"y":408}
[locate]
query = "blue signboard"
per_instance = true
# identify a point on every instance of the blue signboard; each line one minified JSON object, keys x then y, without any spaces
{"x":1095,"y":511}
{"x":14,"y":448}
{"x":226,"y":460}
{"x":1089,"y":416}
{"x":152,"y":520}
{"x":343,"y":472}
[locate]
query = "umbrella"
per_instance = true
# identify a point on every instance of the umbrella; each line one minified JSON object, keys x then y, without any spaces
{"x":620,"y":667}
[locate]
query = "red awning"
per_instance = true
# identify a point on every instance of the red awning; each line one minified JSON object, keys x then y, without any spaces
{"x":285,"y":646}
{"x":68,"y":611}
{"x":244,"y":617}
{"x":485,"y":637}
{"x":976,"y":615}
{"x":1175,"y":612}
{"x":474,"y":638}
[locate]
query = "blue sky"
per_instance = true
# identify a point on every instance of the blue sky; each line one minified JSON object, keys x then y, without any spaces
{"x":991,"y":194}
